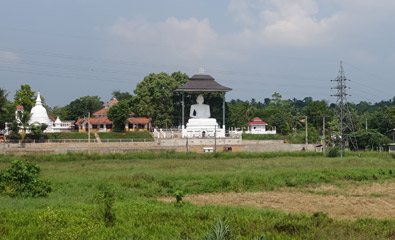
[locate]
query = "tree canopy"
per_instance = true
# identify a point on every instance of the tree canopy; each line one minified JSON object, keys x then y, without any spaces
{"x":82,"y":106}
{"x":118,"y":115}
{"x":154,"y":97}
{"x":25,"y":97}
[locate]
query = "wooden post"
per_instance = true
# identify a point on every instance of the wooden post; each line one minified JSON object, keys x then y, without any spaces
{"x":307,"y":134}
{"x":323,"y":131}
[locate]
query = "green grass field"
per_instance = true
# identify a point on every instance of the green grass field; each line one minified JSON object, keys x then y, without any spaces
{"x":124,"y":135}
{"x":138,"y":179}
{"x":69,"y":135}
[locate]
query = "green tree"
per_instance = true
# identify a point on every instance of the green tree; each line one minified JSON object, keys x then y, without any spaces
{"x":36,"y":131}
{"x":6,"y":109}
{"x":154,"y":98}
{"x":180,"y":78}
{"x":81,"y":106}
{"x":120,"y":96}
{"x":25,"y":97}
{"x":315,"y":110}
{"x":370,"y":139}
{"x":118,"y":115}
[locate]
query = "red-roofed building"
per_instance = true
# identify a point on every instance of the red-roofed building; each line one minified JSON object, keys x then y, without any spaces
{"x":100,"y":123}
{"x":257,"y":126}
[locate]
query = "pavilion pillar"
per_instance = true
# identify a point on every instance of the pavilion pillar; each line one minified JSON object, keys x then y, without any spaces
{"x":223,"y":113}
{"x":183,"y":106}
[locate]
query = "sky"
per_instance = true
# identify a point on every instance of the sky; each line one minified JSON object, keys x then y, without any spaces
{"x":74,"y":48}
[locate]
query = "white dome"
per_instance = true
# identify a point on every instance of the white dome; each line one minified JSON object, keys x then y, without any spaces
{"x":58,"y":121}
{"x":39,"y":113}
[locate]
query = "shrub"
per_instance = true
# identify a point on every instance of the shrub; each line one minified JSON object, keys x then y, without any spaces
{"x":21,"y":180}
{"x":179,"y":195}
{"x":333,"y":152}
{"x":105,"y":199}
{"x":64,"y":224}
{"x":220,"y":231}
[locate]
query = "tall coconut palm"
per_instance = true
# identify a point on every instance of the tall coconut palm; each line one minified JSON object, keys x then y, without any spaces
{"x":3,"y":101}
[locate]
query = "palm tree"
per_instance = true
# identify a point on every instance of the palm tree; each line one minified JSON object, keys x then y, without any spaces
{"x":3,"y":101}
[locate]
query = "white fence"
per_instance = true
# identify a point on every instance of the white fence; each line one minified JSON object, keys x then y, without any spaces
{"x":122,"y":140}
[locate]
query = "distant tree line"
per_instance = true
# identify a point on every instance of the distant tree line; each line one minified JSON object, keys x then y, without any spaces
{"x":154,"y":97}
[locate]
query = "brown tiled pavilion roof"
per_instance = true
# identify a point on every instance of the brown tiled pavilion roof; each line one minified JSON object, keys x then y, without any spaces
{"x":102,"y":111}
{"x":138,"y":120}
{"x":202,"y":83}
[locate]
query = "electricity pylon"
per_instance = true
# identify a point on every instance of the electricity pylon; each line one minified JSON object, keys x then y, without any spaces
{"x":342,"y":112}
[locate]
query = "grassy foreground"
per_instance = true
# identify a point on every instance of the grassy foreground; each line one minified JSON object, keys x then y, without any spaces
{"x":136,"y":179}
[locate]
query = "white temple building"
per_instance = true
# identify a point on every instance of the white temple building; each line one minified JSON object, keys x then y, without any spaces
{"x":39,"y":115}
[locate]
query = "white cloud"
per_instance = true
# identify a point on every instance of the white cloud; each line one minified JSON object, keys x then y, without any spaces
{"x":285,"y":22}
{"x":185,"y":38}
{"x":8,"y":56}
{"x":241,"y":12}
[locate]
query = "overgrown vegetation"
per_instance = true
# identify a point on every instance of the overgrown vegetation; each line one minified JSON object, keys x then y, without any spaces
{"x":21,"y":180}
{"x":105,"y":199}
{"x":137,"y":179}
{"x":124,"y":135}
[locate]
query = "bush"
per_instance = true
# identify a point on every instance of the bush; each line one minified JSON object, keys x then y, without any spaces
{"x":333,"y":152}
{"x":179,"y":195}
{"x":105,"y":198}
{"x":220,"y":231}
{"x":20,"y":180}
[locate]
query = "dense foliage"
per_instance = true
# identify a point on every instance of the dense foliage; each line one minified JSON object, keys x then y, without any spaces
{"x":155,"y":98}
{"x":137,"y":179}
{"x":118,"y":115}
{"x":21,"y":180}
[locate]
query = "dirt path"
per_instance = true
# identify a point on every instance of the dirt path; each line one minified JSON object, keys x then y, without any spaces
{"x":374,"y":201}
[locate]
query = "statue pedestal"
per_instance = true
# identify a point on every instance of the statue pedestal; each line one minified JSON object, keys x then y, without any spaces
{"x":202,"y":127}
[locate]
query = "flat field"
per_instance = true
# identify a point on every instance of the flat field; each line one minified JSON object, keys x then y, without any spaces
{"x":276,"y":195}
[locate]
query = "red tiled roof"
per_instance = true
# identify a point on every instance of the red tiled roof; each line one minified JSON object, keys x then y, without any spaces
{"x":100,"y":120}
{"x":51,"y":117}
{"x":113,"y":101}
{"x":79,"y":121}
{"x":94,"y":120}
{"x":19,"y":107}
{"x":256,"y":121}
{"x":139,"y":120}
{"x":102,"y":111}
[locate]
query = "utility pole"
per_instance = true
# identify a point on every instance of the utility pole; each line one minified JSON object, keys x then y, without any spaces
{"x":307,"y":133}
{"x":215,"y":138}
{"x":323,"y":133}
{"x":366,"y":123}
{"x":89,"y":127}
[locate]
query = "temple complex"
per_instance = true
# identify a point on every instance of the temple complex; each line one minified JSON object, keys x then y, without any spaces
{"x":200,"y":123}
{"x":99,"y":122}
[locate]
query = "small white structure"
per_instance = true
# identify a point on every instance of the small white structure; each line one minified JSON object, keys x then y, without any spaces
{"x":257,"y":126}
{"x":39,"y":114}
{"x":200,"y":124}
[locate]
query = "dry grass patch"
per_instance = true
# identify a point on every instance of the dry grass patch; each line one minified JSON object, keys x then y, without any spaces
{"x":368,"y":201}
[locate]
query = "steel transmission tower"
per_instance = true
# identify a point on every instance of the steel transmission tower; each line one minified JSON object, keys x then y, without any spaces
{"x":342,"y":112}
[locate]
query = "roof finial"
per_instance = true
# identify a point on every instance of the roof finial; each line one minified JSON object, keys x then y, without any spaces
{"x":201,"y":70}
{"x":38,"y":99}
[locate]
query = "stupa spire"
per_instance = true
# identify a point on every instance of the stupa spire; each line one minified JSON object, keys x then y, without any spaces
{"x":38,"y":99}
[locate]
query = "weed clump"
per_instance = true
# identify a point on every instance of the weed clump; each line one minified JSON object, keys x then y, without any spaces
{"x":21,"y":180}
{"x":333,"y":152}
{"x":105,"y":198}
{"x":179,"y":195}
{"x":220,"y":231}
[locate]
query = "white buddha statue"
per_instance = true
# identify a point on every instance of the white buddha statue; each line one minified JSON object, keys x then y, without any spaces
{"x":200,"y":110}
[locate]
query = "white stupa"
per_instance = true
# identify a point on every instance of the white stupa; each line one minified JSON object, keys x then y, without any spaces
{"x":39,"y":114}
